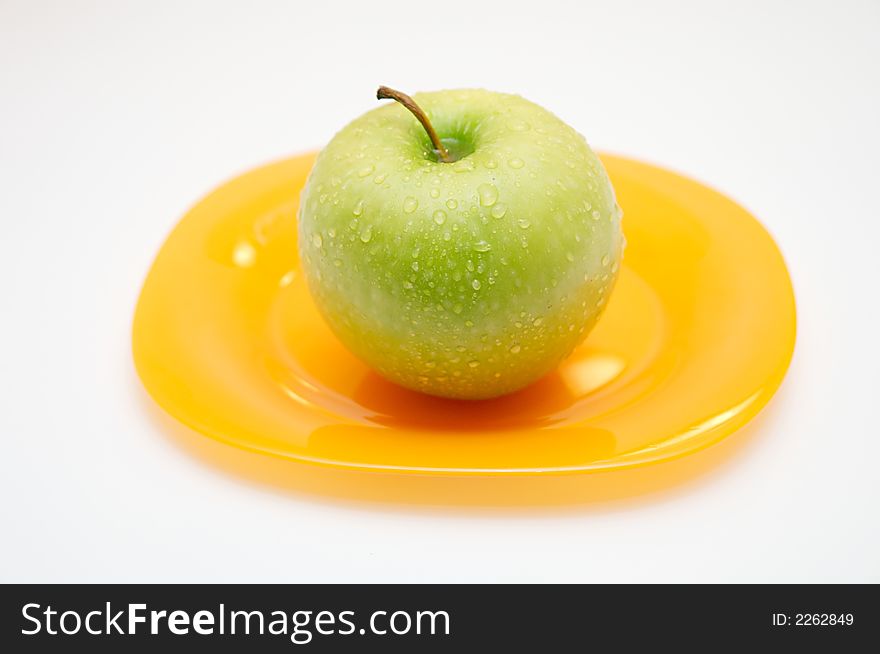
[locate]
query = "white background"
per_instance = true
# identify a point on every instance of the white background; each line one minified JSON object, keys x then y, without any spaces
{"x":117,"y":116}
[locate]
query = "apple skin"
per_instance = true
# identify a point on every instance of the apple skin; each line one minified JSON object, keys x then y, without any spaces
{"x":469,"y":279}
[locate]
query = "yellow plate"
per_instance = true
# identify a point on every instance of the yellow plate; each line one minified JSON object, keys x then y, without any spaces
{"x":697,"y":336}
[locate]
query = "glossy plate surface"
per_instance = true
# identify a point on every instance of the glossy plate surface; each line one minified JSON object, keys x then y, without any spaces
{"x":696,"y":338}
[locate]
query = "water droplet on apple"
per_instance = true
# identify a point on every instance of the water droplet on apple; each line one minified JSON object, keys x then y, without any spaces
{"x":439,"y":216}
{"x":457,"y":308}
{"x":515,"y":348}
{"x":518,"y":125}
{"x":366,"y":234}
{"x":499,"y":210}
{"x":331,"y":232}
{"x":407,"y":285}
{"x":491,"y":164}
{"x":415,"y":266}
{"x":523,"y":223}
{"x":447,"y":236}
{"x":606,"y":260}
{"x":435,"y":192}
{"x":596,"y":215}
{"x":452,"y":203}
{"x":358,"y":208}
{"x":569,"y":256}
{"x":516,"y":162}
{"x":337,"y":263}
{"x":476,"y":284}
{"x":488,"y":194}
{"x":537,"y":322}
{"x":463,"y":165}
{"x":410,"y":204}
{"x":473,"y":363}
{"x":317,"y":241}
{"x":366,"y":170}
{"x":481,"y":246}
{"x":468,"y":323}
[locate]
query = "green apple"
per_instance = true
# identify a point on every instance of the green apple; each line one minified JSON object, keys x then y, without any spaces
{"x":469,"y":265}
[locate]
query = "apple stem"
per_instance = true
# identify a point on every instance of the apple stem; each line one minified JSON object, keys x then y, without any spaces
{"x":385,"y":93}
